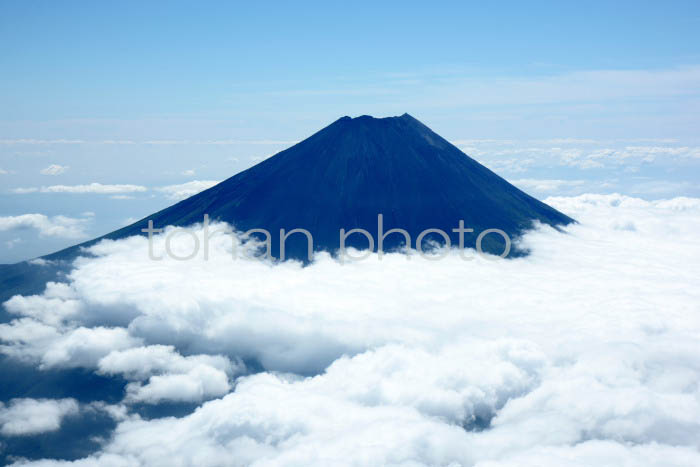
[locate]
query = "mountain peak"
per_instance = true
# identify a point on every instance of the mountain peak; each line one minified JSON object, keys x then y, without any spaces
{"x":344,"y":177}
{"x":355,"y":169}
{"x":369,"y":118}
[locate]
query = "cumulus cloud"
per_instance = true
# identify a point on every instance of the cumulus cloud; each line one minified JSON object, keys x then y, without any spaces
{"x":185,"y":190}
{"x":33,"y":416}
{"x":57,"y":304}
{"x":56,"y":226}
{"x":54,"y":169}
{"x":199,"y":383}
{"x":51,"y":347}
{"x":170,"y":376}
{"x":98,"y":188}
{"x":3,"y":172}
{"x":583,"y":353}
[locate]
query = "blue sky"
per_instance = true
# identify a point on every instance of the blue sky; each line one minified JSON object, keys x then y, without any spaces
{"x":558,"y":97}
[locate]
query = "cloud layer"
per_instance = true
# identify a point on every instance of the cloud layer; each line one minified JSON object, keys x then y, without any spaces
{"x":583,"y":353}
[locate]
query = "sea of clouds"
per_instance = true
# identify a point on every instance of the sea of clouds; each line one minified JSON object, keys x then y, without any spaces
{"x":586,"y":352}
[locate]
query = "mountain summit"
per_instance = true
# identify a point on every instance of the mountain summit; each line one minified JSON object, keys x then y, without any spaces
{"x":344,"y":176}
{"x":348,"y":173}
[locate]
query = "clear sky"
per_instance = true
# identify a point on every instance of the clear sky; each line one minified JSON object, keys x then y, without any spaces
{"x":560,"y":97}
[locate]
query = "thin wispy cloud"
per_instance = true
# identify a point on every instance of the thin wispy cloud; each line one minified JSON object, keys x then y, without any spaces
{"x":543,"y":185}
{"x":54,"y":169}
{"x":187,"y":189}
{"x":96,"y":188}
{"x":153,"y":142}
{"x":123,"y":191}
{"x":439,"y":90}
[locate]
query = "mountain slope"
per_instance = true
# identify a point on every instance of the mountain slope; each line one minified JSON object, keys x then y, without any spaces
{"x":344,"y":176}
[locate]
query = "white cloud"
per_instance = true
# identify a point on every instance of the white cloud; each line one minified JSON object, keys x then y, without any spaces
{"x":54,"y":169}
{"x":142,"y":362}
{"x":152,"y":142}
{"x":199,"y":383}
{"x":93,"y":188}
{"x":649,"y":153}
{"x":185,"y":190}
{"x":52,"y":347}
{"x":98,"y":188}
{"x":557,"y":141}
{"x":40,"y":262}
{"x":512,"y":165}
{"x":31,"y":141}
{"x":189,"y":172}
{"x":577,"y":155}
{"x":3,"y":172}
{"x":56,"y":226}
{"x":588,"y":158}
{"x":33,"y":416}
{"x":662,"y":187}
{"x":169,"y":375}
{"x":545,"y":185}
{"x":583,"y":353}
{"x":24,"y":191}
{"x":58,"y":303}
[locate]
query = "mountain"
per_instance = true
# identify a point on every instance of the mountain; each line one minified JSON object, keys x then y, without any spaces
{"x":343,"y":176}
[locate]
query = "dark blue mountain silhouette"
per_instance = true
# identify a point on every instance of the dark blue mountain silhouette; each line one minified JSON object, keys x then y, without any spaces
{"x":342,"y":177}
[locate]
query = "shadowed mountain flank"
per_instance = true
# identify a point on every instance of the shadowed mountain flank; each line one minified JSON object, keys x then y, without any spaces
{"x":343,"y":177}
